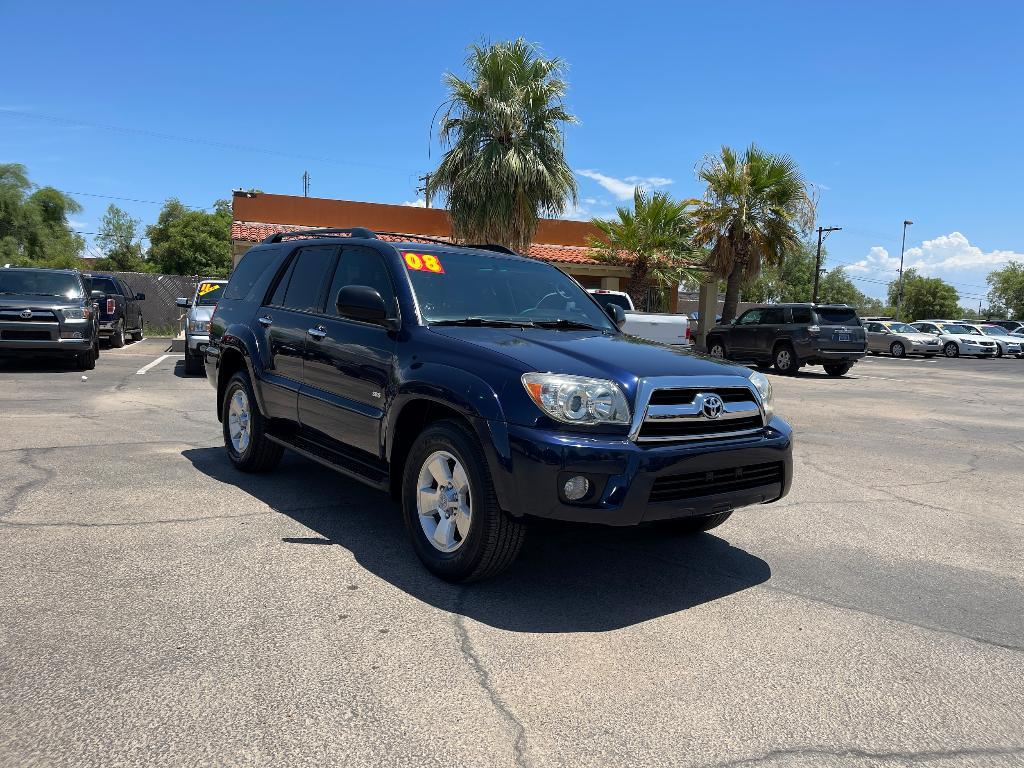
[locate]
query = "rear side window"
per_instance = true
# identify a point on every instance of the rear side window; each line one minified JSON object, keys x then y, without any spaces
{"x":303,"y":284}
{"x":801,"y":314}
{"x":248,"y":271}
{"x":837,"y":316}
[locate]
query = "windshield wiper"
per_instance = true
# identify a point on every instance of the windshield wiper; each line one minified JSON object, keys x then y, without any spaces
{"x":569,"y":325}
{"x":485,"y":321}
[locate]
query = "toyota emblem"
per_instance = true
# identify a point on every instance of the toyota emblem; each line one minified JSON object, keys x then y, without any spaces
{"x":26,"y":315}
{"x":712,"y":406}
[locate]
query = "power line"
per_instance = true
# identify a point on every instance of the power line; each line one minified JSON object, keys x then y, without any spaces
{"x":193,"y":140}
{"x":132,"y":199}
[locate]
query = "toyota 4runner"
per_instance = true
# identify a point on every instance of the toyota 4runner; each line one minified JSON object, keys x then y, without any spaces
{"x":480,"y":388}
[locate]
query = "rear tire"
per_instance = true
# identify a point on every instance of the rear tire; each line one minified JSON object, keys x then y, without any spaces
{"x":716,"y":348}
{"x":688,"y":526}
{"x":837,"y":369}
{"x":492,"y":540}
{"x":951,"y":349}
{"x":898,"y":350}
{"x":245,"y":428}
{"x":785,"y":361}
{"x":117,"y":337}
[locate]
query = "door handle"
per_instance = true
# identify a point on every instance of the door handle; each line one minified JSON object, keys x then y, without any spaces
{"x":266,"y":322}
{"x":317,"y":333}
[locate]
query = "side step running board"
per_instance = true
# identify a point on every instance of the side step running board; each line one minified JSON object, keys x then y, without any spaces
{"x":350,"y":467}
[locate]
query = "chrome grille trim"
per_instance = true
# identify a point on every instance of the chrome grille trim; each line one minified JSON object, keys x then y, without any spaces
{"x":689,"y":413}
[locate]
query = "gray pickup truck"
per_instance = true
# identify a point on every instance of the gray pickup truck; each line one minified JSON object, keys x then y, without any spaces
{"x":197,"y":323}
{"x":790,"y":336}
{"x":48,"y":312}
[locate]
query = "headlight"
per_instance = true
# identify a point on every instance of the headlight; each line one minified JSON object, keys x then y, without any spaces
{"x":763,"y":385}
{"x":199,"y":326}
{"x":577,"y":399}
{"x":76,"y":313}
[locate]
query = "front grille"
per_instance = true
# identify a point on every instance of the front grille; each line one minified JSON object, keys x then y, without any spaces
{"x":38,"y":316}
{"x":685,"y":396}
{"x":698,"y":428}
{"x":25,"y":335}
{"x":696,"y":484}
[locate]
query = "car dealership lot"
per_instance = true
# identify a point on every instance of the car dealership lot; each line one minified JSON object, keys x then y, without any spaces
{"x":157,"y":607}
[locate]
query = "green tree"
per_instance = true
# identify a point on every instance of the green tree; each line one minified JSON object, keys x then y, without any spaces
{"x":790,"y":280}
{"x":754,"y":208}
{"x":120,"y":241}
{"x":836,"y":288}
{"x":1006,"y":288}
{"x":925,"y":297}
{"x":190,"y":242}
{"x":652,"y":239}
{"x":34,"y":225}
{"x":505,"y":166}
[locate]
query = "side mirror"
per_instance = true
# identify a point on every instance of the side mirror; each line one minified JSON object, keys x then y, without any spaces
{"x":140,"y":297}
{"x":181,"y":302}
{"x":617,"y":314}
{"x":361,"y":302}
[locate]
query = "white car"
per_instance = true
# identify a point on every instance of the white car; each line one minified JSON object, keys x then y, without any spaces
{"x":1008,"y":344}
{"x":958,"y":340}
{"x":662,"y":327}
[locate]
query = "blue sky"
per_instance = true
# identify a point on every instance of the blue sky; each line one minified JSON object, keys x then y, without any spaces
{"x":895,"y":110}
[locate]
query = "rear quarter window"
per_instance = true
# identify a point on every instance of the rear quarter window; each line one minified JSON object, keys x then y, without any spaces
{"x":837,"y":316}
{"x":249,"y":270}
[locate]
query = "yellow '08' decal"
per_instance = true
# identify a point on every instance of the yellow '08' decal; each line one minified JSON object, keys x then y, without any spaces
{"x":422,"y":262}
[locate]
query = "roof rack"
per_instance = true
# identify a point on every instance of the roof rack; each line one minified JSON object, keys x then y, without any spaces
{"x":277,"y":237}
{"x":478,"y":246}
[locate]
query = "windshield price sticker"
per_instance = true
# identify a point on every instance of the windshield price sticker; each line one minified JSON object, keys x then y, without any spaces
{"x":422,"y":262}
{"x":205,"y":288}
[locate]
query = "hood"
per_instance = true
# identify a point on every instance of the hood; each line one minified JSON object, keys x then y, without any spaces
{"x":37,"y":302}
{"x":201,"y":314}
{"x":621,"y":358}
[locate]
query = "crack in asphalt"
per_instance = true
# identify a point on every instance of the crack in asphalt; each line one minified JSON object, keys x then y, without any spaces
{"x":912,"y":757}
{"x":484,"y":679}
{"x":23,"y":488}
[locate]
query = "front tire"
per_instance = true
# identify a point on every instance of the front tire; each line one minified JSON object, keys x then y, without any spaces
{"x":193,"y":365}
{"x":137,"y":335}
{"x":86,"y":361}
{"x":451,"y":511}
{"x":244,"y":428}
{"x":951,"y":349}
{"x":898,"y":350}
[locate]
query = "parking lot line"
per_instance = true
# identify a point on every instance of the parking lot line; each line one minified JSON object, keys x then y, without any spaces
{"x":147,"y":366}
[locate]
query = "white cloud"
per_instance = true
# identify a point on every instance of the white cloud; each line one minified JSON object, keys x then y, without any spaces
{"x":623,"y":188}
{"x":946,"y":253}
{"x":417,"y":203}
{"x":76,"y":224}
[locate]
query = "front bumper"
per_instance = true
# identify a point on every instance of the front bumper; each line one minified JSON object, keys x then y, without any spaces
{"x":26,"y":337}
{"x":530,"y":471}
{"x":197,"y":343}
{"x":974,"y":349}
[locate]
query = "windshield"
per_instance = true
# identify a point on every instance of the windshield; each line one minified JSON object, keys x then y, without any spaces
{"x":902,"y":328}
{"x":950,"y":328}
{"x":995,"y":330}
{"x":40,"y":283}
{"x":452,"y":286}
{"x":103,"y":285}
{"x":208,"y":294}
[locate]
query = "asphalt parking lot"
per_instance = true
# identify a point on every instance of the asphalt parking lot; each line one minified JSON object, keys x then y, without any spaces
{"x":158,"y":608}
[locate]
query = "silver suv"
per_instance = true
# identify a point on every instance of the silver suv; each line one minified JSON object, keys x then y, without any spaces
{"x":197,"y":323}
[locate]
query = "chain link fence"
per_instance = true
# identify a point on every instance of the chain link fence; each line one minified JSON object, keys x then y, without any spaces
{"x":159,"y":310}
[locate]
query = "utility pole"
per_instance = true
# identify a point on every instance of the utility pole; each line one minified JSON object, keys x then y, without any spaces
{"x":823,"y":232}
{"x":305,"y":184}
{"x":425,"y":189}
{"x":899,"y":291}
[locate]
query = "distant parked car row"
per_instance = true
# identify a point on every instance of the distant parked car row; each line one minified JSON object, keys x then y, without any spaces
{"x":64,"y":313}
{"x":952,"y":338}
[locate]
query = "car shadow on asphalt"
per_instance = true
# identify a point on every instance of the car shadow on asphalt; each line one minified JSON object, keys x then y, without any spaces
{"x":39,"y":364}
{"x":568,"y":578}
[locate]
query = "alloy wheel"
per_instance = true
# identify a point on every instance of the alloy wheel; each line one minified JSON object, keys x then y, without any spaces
{"x":443,"y":501}
{"x":238,"y":421}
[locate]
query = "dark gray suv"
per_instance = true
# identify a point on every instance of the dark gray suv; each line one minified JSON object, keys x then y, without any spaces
{"x":790,"y":336}
{"x":48,"y":311}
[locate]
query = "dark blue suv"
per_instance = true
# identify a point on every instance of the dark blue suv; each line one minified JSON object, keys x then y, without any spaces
{"x":480,"y":388}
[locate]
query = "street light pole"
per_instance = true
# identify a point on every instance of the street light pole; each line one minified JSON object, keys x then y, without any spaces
{"x":899,"y":290}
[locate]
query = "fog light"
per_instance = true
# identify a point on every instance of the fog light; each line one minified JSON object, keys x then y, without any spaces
{"x":576,"y":488}
{"x":70,"y":335}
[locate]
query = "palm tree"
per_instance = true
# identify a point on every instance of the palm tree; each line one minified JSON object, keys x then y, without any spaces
{"x":505,"y":166}
{"x":753,"y":211}
{"x":654,"y":239}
